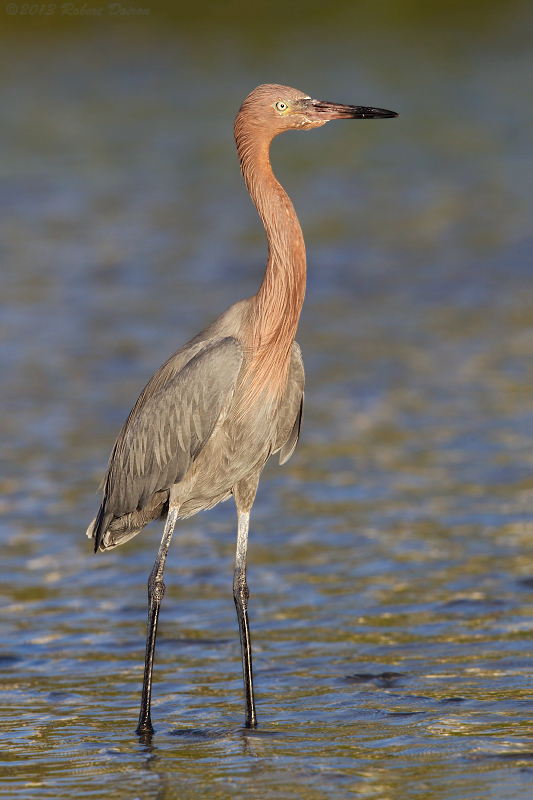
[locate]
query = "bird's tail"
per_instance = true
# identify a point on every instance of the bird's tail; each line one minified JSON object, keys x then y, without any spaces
{"x":109,"y":531}
{"x":97,"y":530}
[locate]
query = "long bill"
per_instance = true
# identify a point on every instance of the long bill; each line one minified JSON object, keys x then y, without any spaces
{"x":322,"y":111}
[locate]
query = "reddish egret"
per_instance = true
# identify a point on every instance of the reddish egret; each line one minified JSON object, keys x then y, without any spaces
{"x":206,"y":423}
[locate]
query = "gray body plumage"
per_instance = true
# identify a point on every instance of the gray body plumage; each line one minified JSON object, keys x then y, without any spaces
{"x":186,"y":435}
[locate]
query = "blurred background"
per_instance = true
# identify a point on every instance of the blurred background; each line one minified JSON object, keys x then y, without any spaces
{"x":390,"y":561}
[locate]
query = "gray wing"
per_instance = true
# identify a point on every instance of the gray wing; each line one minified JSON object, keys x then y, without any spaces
{"x":292,"y":407}
{"x":169,"y":425}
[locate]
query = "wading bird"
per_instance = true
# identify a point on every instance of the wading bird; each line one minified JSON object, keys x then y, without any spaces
{"x":208,"y":420}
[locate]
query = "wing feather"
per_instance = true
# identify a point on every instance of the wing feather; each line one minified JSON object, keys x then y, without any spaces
{"x":170,"y":424}
{"x":291,"y":409}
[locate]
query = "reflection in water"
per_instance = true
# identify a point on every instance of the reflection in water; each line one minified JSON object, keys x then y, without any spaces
{"x":153,"y":766}
{"x":390,"y":561}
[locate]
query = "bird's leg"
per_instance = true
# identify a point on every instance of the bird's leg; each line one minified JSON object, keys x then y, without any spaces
{"x":244,"y":497}
{"x":156,"y":590}
{"x":241,"y":595}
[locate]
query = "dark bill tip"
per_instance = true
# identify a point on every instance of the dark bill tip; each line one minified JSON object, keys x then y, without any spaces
{"x":327,"y":111}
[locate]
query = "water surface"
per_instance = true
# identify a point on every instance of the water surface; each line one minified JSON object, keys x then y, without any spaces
{"x":390,"y":561}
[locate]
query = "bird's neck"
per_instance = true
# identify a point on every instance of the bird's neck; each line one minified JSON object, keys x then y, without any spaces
{"x":277,"y":305}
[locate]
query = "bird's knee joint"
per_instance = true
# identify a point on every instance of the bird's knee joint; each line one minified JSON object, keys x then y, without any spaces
{"x":156,"y":589}
{"x":241,"y":592}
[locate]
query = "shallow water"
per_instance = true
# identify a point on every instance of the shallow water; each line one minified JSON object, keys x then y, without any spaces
{"x":390,"y":561}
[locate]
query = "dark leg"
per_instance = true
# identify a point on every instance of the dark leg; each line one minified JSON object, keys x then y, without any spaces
{"x":156,"y":590}
{"x":240,"y":595}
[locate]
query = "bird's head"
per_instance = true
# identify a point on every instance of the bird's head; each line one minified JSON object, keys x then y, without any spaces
{"x":275,"y":109}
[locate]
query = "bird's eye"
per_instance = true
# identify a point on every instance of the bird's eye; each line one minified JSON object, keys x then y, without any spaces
{"x":281,"y":106}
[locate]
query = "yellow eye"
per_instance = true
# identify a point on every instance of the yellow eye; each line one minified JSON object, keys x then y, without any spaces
{"x":281,"y":106}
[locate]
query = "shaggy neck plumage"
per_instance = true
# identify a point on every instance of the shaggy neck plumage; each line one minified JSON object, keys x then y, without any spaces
{"x":276,"y":306}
